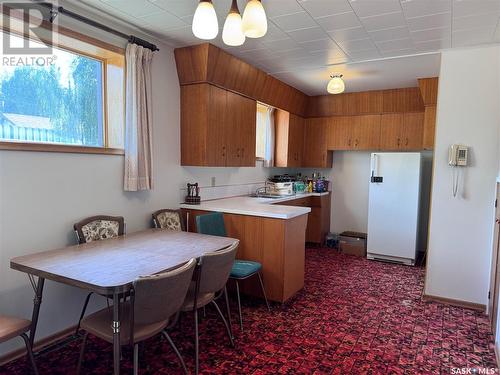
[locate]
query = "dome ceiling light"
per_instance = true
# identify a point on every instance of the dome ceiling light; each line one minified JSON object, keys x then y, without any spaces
{"x":336,"y":84}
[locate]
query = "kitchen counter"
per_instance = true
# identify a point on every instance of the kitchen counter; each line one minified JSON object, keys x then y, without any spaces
{"x":252,"y":206}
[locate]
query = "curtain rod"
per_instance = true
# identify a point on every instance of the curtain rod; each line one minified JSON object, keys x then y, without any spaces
{"x":54,"y":11}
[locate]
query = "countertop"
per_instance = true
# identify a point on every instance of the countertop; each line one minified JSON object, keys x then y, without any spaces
{"x":264,"y":207}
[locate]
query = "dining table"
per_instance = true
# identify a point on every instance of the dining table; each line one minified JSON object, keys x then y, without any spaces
{"x":109,"y":267}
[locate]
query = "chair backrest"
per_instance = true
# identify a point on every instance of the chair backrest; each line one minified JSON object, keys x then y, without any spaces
{"x":158,"y":297}
{"x":99,"y":227}
{"x":212,"y":223}
{"x":168,"y":219}
{"x":215,"y":269}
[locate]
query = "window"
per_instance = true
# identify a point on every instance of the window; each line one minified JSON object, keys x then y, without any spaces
{"x":72,"y":97}
{"x":265,"y":134}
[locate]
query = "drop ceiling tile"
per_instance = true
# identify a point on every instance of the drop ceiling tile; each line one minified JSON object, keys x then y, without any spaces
{"x":429,"y":22}
{"x":274,"y":33}
{"x":180,"y":8}
{"x":431,"y":34}
{"x":294,"y":21}
{"x":136,"y":8}
{"x":275,"y":8}
{"x":425,"y":7}
{"x":339,"y":21}
{"x":366,"y":8}
{"x":354,"y":33}
{"x":163,"y":21}
{"x":390,"y":34}
{"x":433,"y":45}
{"x":391,"y":45}
{"x":319,"y":45}
{"x":399,"y":52}
{"x":369,"y":54}
{"x":384,"y":21}
{"x":469,"y":37}
{"x":321,"y":8}
{"x":305,"y":35}
{"x":356,"y":45}
{"x":479,"y":20}
{"x":463,"y":8}
{"x":281,"y":45}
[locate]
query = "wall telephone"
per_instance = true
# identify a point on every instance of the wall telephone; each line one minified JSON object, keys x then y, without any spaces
{"x":457,"y":156}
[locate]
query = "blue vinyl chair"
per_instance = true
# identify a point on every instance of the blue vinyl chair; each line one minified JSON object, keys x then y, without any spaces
{"x":213,"y":224}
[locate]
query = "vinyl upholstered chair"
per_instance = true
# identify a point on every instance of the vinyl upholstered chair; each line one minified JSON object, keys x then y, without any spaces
{"x":210,"y":285}
{"x":153,"y":308}
{"x":11,"y":327}
{"x":96,"y":228}
{"x":213,"y":224}
{"x":168,"y":219}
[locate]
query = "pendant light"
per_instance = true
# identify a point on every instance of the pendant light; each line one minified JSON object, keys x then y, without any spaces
{"x":254,"y":19}
{"x":336,"y":84}
{"x":232,"y":34}
{"x":205,"y":25}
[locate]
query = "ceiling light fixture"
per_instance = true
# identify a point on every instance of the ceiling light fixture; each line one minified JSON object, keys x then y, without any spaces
{"x":336,"y":84}
{"x":254,"y":19}
{"x":232,"y":34}
{"x":205,"y":25}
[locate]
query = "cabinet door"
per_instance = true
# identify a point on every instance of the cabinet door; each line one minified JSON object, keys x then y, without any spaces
{"x":216,"y":135}
{"x":295,"y":140}
{"x":247,"y":120}
{"x":366,"y":132}
{"x":316,"y":154}
{"x":391,"y":131}
{"x":429,"y":127}
{"x":340,"y":132}
{"x":413,"y":131}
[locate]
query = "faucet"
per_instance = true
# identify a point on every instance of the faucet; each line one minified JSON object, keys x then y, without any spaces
{"x":261,"y":190}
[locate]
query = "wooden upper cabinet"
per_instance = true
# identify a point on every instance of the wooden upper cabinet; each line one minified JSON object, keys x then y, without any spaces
{"x":217,"y":127}
{"x":366,"y":133}
{"x":429,"y":127}
{"x":289,"y":139}
{"x":316,"y":153}
{"x":401,"y":131}
{"x":391,"y":131}
{"x":340,"y":132}
{"x":413,"y":130}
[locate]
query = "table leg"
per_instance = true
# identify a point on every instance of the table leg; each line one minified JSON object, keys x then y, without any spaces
{"x":116,"y":333}
{"x":37,"y":301}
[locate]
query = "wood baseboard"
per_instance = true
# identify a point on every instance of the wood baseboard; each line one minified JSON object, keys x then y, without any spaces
{"x":39,"y":345}
{"x":455,"y":302}
{"x":497,"y":354}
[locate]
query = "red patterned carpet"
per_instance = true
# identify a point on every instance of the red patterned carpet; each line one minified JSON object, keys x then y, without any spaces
{"x":353,"y":317}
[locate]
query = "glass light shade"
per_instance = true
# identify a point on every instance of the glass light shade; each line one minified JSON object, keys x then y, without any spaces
{"x":254,"y":20}
{"x":232,"y":34}
{"x":205,"y":25}
{"x":336,"y":85}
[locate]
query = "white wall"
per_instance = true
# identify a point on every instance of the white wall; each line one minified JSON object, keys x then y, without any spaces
{"x":461,"y":229}
{"x":43,"y":194}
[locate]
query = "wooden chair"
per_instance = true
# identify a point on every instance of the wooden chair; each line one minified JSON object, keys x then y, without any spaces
{"x":213,"y":224}
{"x":96,"y":228}
{"x":168,"y":219}
{"x":11,"y":327}
{"x":152,"y":309}
{"x":210,"y":284}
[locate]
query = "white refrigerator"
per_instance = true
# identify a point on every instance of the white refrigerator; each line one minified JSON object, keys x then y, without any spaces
{"x":393,"y":208}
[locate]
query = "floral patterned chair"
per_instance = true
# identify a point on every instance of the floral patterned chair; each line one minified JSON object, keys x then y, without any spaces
{"x":168,"y":219}
{"x":96,"y":228}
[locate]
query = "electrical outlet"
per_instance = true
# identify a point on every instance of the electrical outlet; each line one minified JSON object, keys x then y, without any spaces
{"x":213,"y":181}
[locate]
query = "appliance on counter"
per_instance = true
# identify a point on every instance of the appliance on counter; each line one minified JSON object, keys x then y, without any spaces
{"x":393,"y":208}
{"x":279,"y":188}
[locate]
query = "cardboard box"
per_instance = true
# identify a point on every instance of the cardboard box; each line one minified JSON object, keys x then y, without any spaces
{"x":353,"y":243}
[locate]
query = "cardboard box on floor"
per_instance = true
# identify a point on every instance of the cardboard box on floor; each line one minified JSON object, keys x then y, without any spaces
{"x":353,"y":243}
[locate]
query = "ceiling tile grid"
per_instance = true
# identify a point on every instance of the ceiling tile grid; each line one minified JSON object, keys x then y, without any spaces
{"x":325,"y":35}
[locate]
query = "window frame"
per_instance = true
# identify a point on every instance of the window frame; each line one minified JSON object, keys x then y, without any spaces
{"x":14,"y":145}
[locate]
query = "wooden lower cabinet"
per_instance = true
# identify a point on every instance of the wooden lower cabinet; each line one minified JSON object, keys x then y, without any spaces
{"x":277,"y":244}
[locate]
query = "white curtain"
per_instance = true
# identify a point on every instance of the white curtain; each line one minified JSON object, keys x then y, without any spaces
{"x":138,"y":120}
{"x":270,"y":130}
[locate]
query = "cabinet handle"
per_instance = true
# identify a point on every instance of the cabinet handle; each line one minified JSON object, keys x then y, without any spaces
{"x":399,"y":142}
{"x":406,"y":143}
{"x":242,"y":152}
{"x":349,"y":142}
{"x":356,"y":143}
{"x":237,"y":152}
{"x":223,"y":150}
